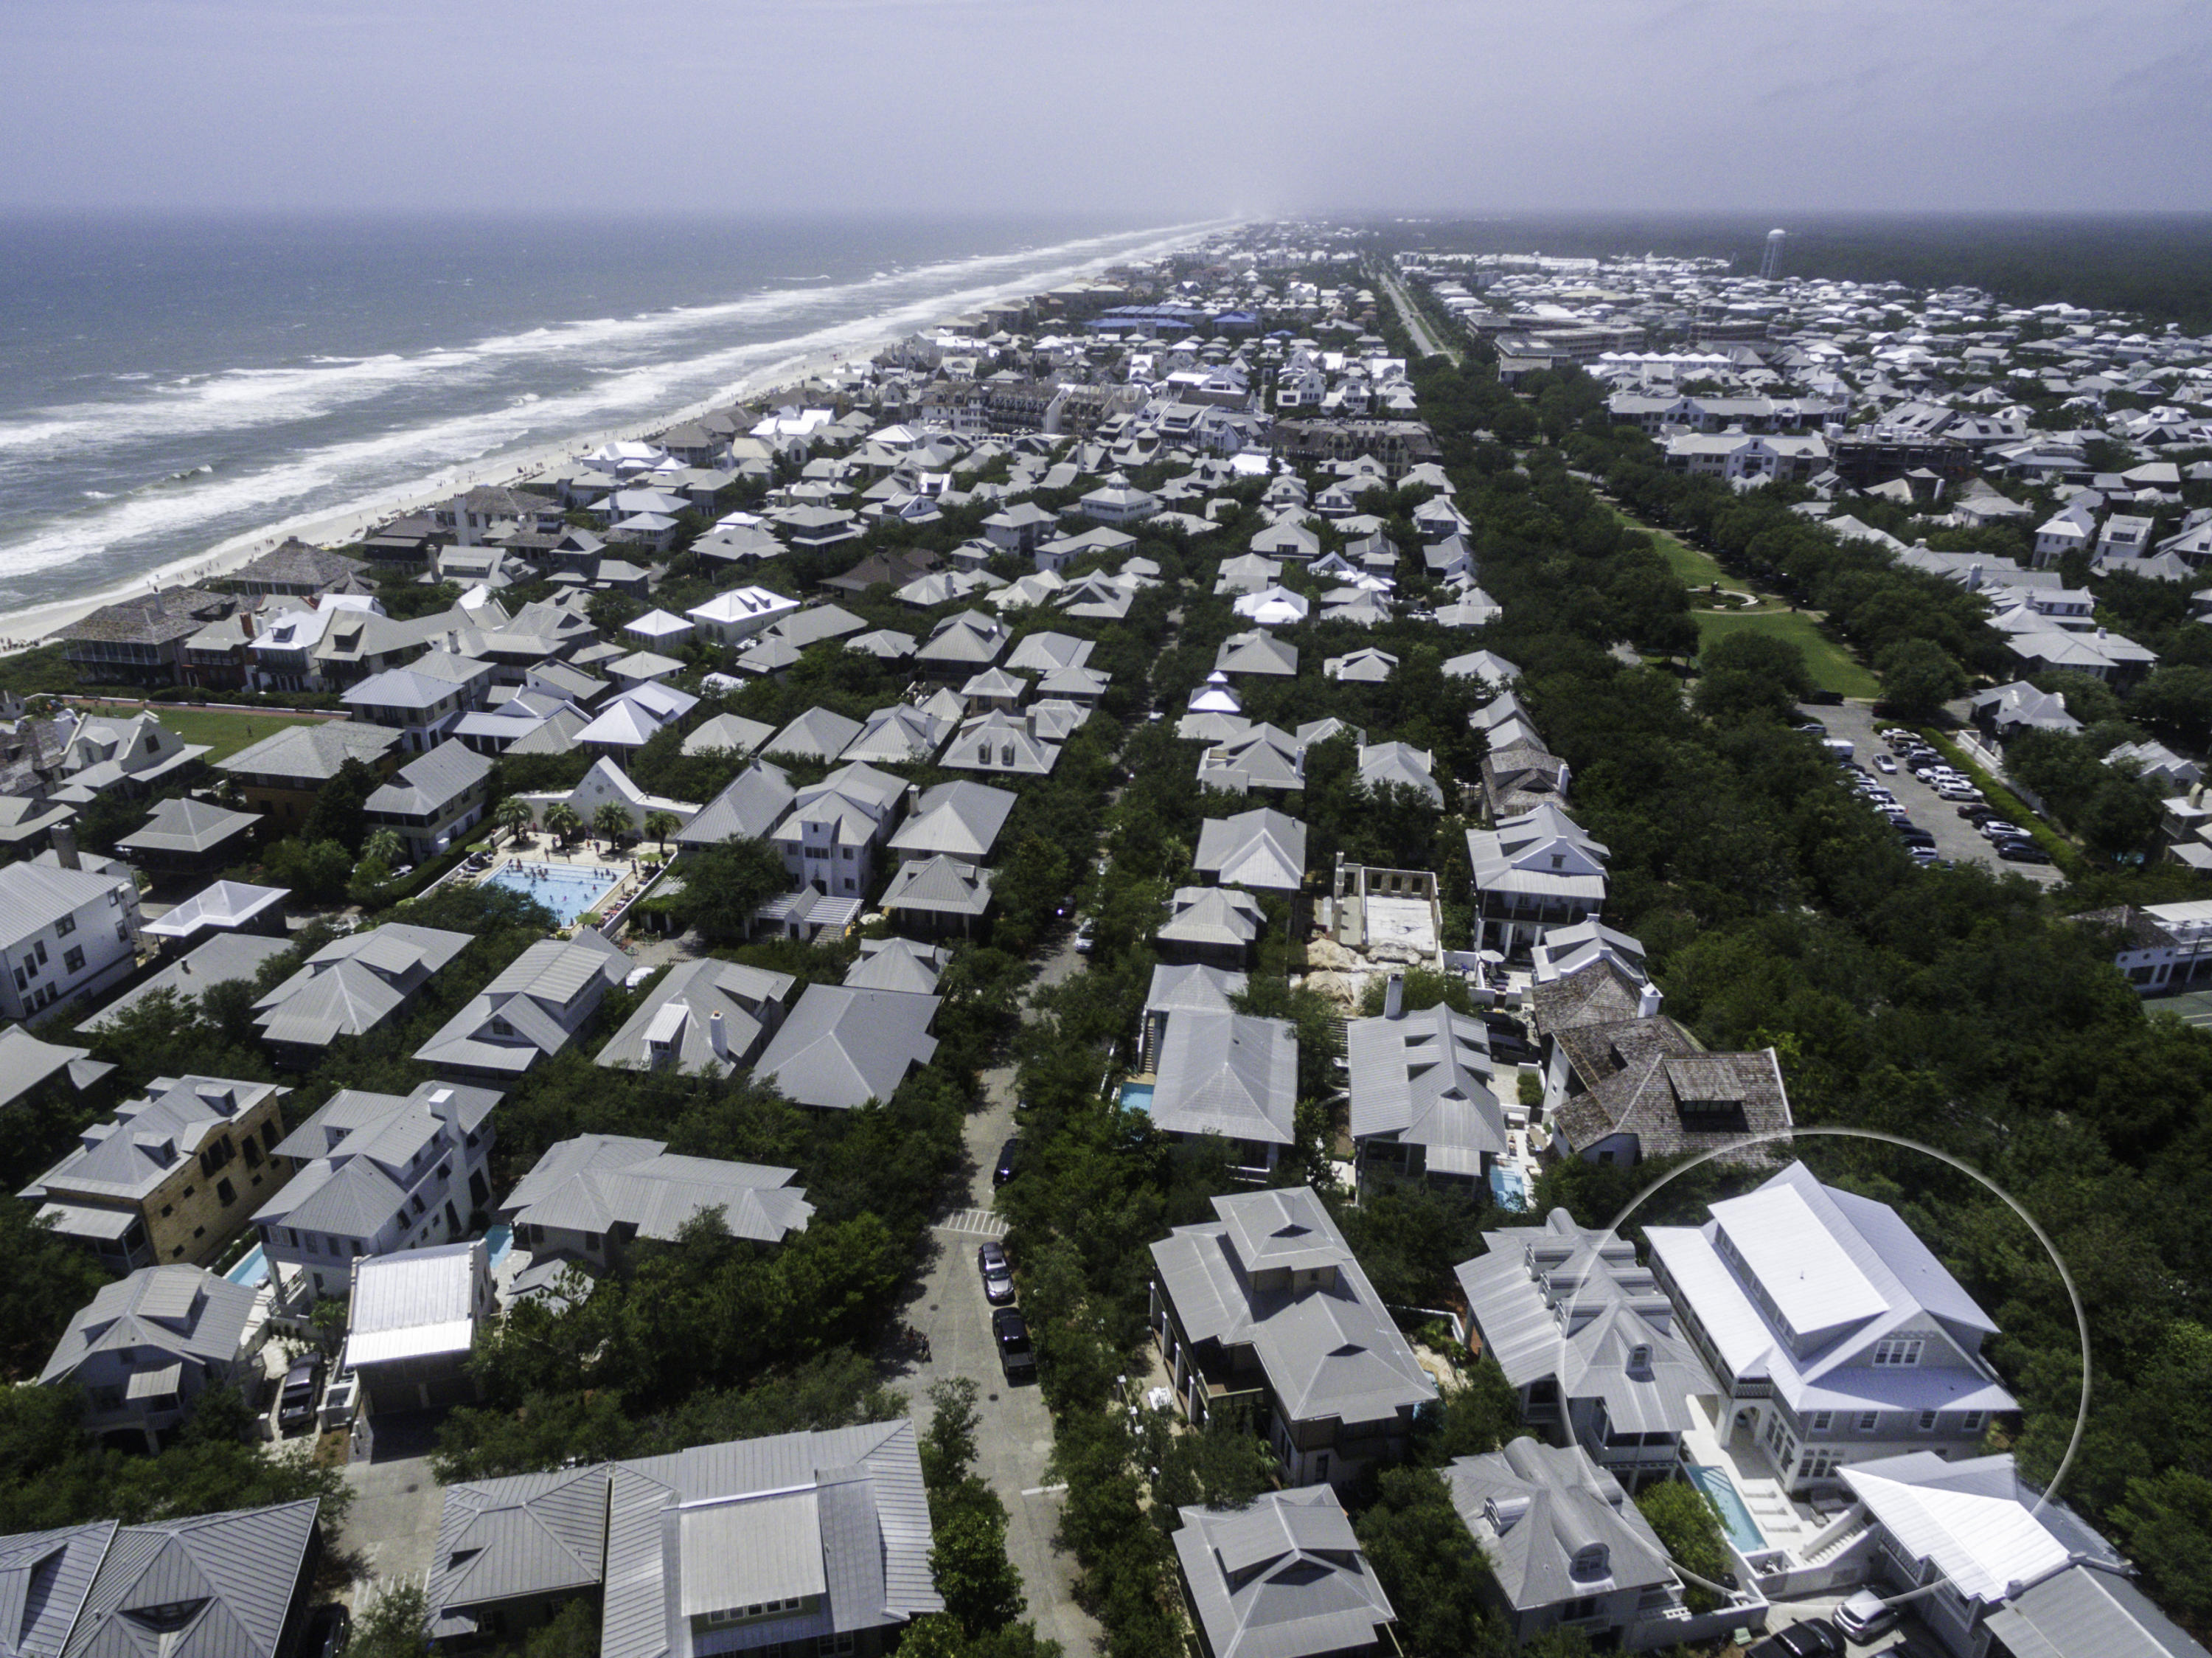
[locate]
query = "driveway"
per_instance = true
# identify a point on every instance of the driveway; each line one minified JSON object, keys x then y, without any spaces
{"x":1955,"y":838}
{"x":1014,"y":1430}
{"x":393,"y":1526}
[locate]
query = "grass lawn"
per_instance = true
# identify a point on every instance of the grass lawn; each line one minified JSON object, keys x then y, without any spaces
{"x":1833,"y":668}
{"x":223,"y":733}
{"x":1698,"y":571}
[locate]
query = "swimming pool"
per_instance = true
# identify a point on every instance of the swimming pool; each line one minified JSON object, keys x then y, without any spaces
{"x":1509,"y":1187}
{"x":567,"y":890}
{"x":1735,"y":1519}
{"x":1137,"y":1096}
{"x":497,"y":1241}
{"x":251,"y":1269}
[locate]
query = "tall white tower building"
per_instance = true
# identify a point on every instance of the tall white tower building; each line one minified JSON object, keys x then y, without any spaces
{"x":1770,"y":266}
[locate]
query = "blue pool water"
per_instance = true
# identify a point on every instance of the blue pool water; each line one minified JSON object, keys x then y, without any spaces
{"x":250,"y":1271}
{"x":1735,"y":1519}
{"x":567,"y":890}
{"x":1137,"y":1096}
{"x":500,"y":1239}
{"x":1507,"y":1187}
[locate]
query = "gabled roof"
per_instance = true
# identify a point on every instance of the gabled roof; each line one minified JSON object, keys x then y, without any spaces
{"x":1424,"y":1079}
{"x":531,"y":996}
{"x":675,"y":1025}
{"x":1283,"y":1578}
{"x":1262,"y":849}
{"x":429,"y":782}
{"x":33,"y":896}
{"x":1229,"y":1074}
{"x":1557,"y":1506}
{"x":353,"y":984}
{"x":43,"y":1579}
{"x":229,"y":1577}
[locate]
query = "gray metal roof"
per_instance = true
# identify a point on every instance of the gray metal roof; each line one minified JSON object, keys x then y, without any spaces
{"x":215,"y":1586}
{"x":1569,"y":1303}
{"x":597,"y":1182}
{"x":26,"y":1063}
{"x":1263,"y":849}
{"x":33,"y":896}
{"x":960,"y":820}
{"x":939,"y":886}
{"x":44,"y":1577}
{"x":843,"y":1047}
{"x":306,"y":755}
{"x":353,"y":984}
{"x":1424,"y":1078}
{"x":754,"y":803}
{"x":156,"y":1315}
{"x":1328,"y":1349}
{"x":1217,"y":917}
{"x":1554,"y":1506}
{"x":1199,"y":989}
{"x":1283,"y":1578}
{"x":416,"y":1303}
{"x":898,"y":734}
{"x":187,"y":826}
{"x":426,"y":785}
{"x":731,"y":732}
{"x":133,"y":1152}
{"x":1229,"y":1074}
{"x":817,"y":735}
{"x":2084,"y":1612}
{"x":749,"y":1000}
{"x":358,"y":1152}
{"x":542,"y":997}
{"x":225,"y":958}
{"x":897,"y":964}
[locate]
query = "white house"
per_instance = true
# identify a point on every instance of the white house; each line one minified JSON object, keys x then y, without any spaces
{"x":739,"y":613}
{"x":66,"y":934}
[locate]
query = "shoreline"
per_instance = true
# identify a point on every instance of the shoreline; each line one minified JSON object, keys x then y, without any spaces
{"x":35,"y":626}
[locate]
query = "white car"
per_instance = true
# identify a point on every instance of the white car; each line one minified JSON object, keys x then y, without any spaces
{"x":1865,"y":1617}
{"x":1883,"y":763}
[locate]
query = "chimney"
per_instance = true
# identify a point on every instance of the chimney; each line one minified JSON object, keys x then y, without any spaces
{"x":718,"y":1036}
{"x":1393,"y":996}
{"x":64,"y":839}
{"x":1647,"y":1004}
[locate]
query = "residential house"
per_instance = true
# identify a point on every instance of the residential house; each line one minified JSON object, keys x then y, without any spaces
{"x":589,"y":1198}
{"x":140,"y":640}
{"x":1231,"y":1075}
{"x":2006,"y":710}
{"x":958,"y":820}
{"x":801,"y":1542}
{"x":1266,"y":1309}
{"x":1588,"y":1341}
{"x":1284,"y":1577}
{"x":67,"y":934}
{"x":843,"y":1047}
{"x":128,"y":758}
{"x":705,"y":1016}
{"x":223,"y":957}
{"x":171,"y":1176}
{"x":607,"y":784}
{"x":412,"y":1320}
{"x":1214,"y":926}
{"x":31,"y":1071}
{"x":898,"y":963}
{"x":1016,"y":745}
{"x":425,"y":701}
{"x":373,"y":1174}
{"x":1264,"y":849}
{"x":1386,"y":766}
{"x":1182,"y":989}
{"x":831,"y":836}
{"x":898,"y":734}
{"x":960,"y":644}
{"x":1835,"y":1336}
{"x":225,"y":907}
{"x":635,"y":718}
{"x":281,"y":775}
{"x":1257,"y":652}
{"x":726,"y":734}
{"x":1422,"y":1105}
{"x":739,"y":614}
{"x":531,"y":1011}
{"x":1568,"y":1550}
{"x":187,"y":837}
{"x":432,"y":800}
{"x":350,"y":987}
{"x":293,"y":568}
{"x":1258,"y":759}
{"x":937,"y":896}
{"x":1534,"y":871}
{"x":756,"y":800}
{"x":145,"y":1348}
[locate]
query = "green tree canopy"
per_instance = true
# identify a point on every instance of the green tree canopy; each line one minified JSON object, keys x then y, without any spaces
{"x":724,"y":885}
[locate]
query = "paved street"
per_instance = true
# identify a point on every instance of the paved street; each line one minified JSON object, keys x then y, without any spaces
{"x":1955,"y":838}
{"x":1417,"y":325}
{"x":1014,"y":1435}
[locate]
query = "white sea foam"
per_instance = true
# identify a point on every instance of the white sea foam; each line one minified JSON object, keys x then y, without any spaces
{"x":239,"y":399}
{"x":356,"y":475}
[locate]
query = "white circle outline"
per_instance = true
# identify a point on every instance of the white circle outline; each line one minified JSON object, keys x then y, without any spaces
{"x":1881,"y":1136}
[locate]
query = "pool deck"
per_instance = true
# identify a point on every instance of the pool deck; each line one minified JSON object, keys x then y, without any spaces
{"x":585,"y":860}
{"x":1785,"y":1524}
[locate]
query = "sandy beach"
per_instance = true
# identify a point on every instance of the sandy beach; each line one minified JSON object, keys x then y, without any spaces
{"x":27,"y":628}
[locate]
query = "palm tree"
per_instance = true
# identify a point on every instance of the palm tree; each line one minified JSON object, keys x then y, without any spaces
{"x":564,"y":820}
{"x":385,"y":847}
{"x":661,"y":825}
{"x":514,"y":814}
{"x":611,"y":823}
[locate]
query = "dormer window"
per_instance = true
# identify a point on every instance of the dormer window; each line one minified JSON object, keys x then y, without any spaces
{"x":1593,"y":1560}
{"x":1640,"y":1359}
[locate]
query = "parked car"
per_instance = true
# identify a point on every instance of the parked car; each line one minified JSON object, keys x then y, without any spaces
{"x":1016,"y":1356}
{"x":1866,"y":1616}
{"x":303,"y":1385}
{"x":330,"y":1627}
{"x":1813,"y":1639}
{"x":1085,"y":933}
{"x":2023,"y":851}
{"x":998,"y":1275}
{"x":1008,"y":1154}
{"x":1883,"y":763}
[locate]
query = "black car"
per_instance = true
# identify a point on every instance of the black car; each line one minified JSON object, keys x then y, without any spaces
{"x":1008,"y":1154}
{"x":329,"y":1628}
{"x":1016,"y":1356}
{"x":2023,"y":851}
{"x":303,"y":1383}
{"x":998,"y":1275}
{"x":1814,"y":1638}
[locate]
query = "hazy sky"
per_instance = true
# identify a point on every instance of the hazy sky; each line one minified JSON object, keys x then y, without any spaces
{"x":1143,"y":106}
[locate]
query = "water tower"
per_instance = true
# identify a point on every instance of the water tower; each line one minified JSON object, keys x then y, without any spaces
{"x":1770,"y":266}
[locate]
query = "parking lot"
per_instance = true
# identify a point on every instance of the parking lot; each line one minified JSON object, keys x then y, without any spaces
{"x":1956,"y":839}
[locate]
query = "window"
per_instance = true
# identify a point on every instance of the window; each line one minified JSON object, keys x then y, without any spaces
{"x":1822,"y":1423}
{"x":73,"y":959}
{"x":1927,"y":1422}
{"x":226,"y":1192}
{"x":65,"y":927}
{"x":1896,"y":1350}
{"x":1969,"y":1422}
{"x":1869,"y":1420}
{"x":1821,"y":1464}
{"x":40,"y":947}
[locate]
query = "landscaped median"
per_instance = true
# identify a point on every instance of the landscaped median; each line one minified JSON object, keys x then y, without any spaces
{"x":2062,"y":852}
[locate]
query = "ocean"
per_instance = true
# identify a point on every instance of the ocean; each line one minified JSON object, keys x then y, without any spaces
{"x":169,"y":384}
